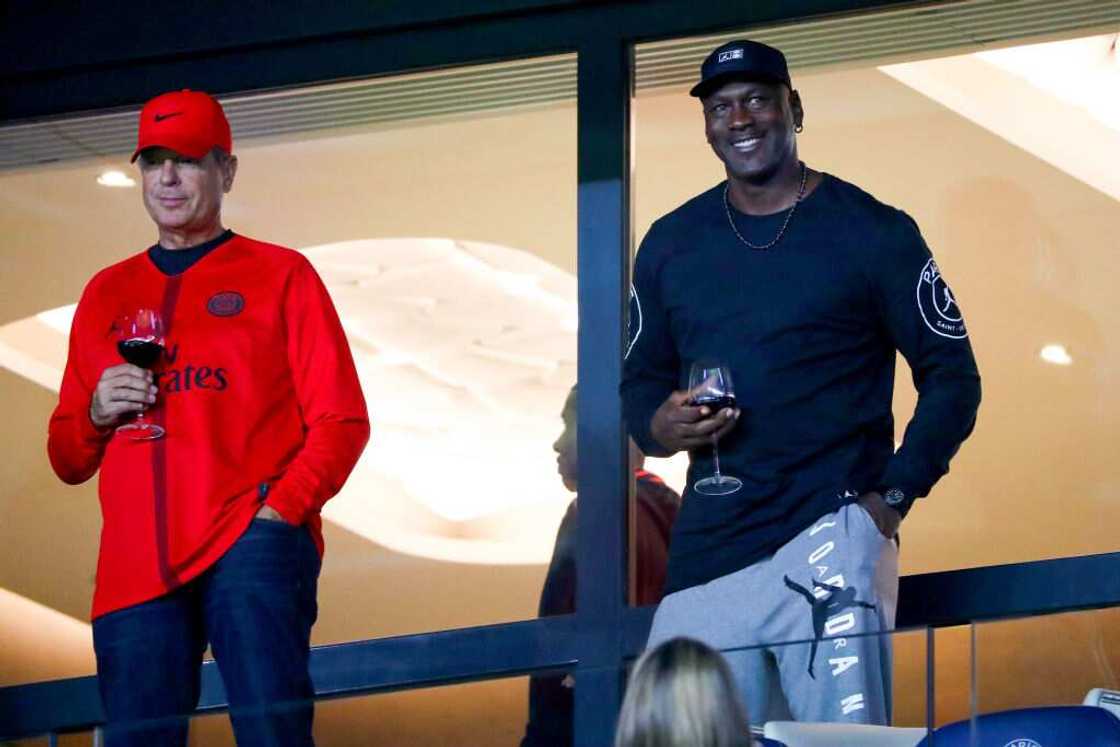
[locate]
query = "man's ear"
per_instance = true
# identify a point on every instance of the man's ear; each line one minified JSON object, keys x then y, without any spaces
{"x":797,"y":109}
{"x":230,"y":172}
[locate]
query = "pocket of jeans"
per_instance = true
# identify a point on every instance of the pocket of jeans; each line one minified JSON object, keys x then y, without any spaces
{"x":869,"y":521}
{"x":271,"y":537}
{"x":265,"y":556}
{"x":310,"y":565}
{"x":261,"y":521}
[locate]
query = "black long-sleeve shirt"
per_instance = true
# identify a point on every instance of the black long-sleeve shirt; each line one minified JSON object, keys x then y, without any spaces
{"x":809,"y":329}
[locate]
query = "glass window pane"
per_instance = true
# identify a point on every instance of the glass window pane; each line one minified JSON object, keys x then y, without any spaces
{"x":455,"y":714}
{"x":1014,"y":222}
{"x":1046,"y":660}
{"x":439,"y":210}
{"x":751,"y":679}
{"x":928,"y":122}
{"x":424,"y":717}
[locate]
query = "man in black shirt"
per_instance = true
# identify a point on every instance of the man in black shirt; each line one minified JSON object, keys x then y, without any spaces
{"x":805,"y":286}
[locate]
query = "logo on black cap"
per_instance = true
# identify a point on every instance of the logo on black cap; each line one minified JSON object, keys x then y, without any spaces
{"x":745,"y":59}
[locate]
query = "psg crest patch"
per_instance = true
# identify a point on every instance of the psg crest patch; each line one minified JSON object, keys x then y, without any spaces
{"x":938,"y":306}
{"x":633,"y":320}
{"x":226,"y":303}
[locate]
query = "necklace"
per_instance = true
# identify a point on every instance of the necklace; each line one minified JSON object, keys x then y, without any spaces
{"x":782,"y":230}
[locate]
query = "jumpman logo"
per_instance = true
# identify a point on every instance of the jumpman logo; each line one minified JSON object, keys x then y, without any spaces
{"x":949,"y":300}
{"x":837,"y":600}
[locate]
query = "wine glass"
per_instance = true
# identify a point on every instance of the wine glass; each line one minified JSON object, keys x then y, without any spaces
{"x":709,"y":382}
{"x":140,"y":342}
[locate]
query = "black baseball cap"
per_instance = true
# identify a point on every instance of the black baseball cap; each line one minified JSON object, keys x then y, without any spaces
{"x":741,"y":59}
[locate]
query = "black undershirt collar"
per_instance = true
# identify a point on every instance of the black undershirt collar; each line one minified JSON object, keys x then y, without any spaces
{"x":177,"y":261}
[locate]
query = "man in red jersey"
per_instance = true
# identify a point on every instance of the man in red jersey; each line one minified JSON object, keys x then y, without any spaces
{"x":211,"y":533}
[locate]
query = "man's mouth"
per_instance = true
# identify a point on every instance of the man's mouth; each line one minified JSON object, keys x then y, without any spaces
{"x":746,"y":145}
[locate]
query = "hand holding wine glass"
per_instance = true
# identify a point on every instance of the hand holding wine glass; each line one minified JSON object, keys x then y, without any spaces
{"x":711,"y":387}
{"x":680,"y":425}
{"x":129,"y":388}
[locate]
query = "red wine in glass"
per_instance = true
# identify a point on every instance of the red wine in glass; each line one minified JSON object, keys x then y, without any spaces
{"x":140,"y":342}
{"x":143,"y":353}
{"x":711,"y":386}
{"x":714,"y":403}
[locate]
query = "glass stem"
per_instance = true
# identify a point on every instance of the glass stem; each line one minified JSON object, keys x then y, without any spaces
{"x":715,"y":453}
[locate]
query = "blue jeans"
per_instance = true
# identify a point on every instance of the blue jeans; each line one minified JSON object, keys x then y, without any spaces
{"x":255,"y":607}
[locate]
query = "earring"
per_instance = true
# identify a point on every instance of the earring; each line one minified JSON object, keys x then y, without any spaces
{"x":799,"y":127}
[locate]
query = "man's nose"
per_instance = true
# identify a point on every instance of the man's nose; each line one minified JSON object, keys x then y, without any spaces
{"x":169,"y":172}
{"x":740,"y":117}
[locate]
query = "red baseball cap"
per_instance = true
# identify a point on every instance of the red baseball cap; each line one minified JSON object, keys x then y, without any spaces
{"x":190,"y":123}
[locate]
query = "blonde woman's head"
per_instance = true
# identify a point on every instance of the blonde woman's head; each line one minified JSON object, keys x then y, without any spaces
{"x":681,"y":694}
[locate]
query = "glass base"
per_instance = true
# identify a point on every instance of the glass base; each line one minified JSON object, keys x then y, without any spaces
{"x":142,"y":431}
{"x":721,"y":485}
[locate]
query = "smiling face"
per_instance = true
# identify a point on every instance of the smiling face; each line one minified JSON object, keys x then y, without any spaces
{"x":750,"y":126}
{"x":184,"y":195}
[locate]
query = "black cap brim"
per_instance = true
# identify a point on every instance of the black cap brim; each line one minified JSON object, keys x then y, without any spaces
{"x":706,"y":87}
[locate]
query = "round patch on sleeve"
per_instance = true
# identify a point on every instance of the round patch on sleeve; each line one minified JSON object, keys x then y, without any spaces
{"x":226,"y":303}
{"x":633,"y":321}
{"x":937,"y":305}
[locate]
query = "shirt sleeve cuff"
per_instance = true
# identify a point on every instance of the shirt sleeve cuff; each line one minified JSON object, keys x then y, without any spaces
{"x":91,"y":433}
{"x":907,"y":503}
{"x":904,"y":507}
{"x":290,"y":509}
{"x":643,"y":437}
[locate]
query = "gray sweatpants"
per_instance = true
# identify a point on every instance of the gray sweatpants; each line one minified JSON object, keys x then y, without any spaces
{"x":800,"y":612}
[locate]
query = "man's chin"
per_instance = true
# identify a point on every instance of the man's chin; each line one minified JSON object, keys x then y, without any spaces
{"x":171,"y":222}
{"x":757,"y":176}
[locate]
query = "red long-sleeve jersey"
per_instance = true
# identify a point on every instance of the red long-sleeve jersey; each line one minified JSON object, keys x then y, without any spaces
{"x":256,"y":385}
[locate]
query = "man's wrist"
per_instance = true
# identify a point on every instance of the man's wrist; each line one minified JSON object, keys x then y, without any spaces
{"x":894,"y":497}
{"x":99,"y":428}
{"x":654,"y":446}
{"x":897,"y":498}
{"x":268,"y":512}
